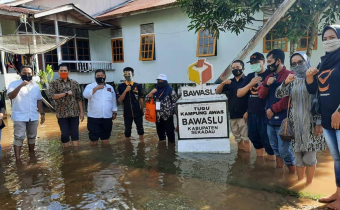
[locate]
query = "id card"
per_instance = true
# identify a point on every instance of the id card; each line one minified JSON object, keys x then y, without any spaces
{"x":158,"y":105}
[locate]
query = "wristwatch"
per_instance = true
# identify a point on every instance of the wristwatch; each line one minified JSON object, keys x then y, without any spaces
{"x":66,"y":94}
{"x":42,"y":113}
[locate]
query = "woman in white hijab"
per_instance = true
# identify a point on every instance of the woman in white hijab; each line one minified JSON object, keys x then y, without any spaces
{"x":307,"y":127}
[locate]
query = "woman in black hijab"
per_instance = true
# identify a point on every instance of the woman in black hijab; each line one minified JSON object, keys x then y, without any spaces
{"x":325,"y":81}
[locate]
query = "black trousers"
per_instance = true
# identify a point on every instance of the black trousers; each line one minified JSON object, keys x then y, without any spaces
{"x":128,"y":125}
{"x":69,"y":127}
{"x":166,"y":127}
{"x":99,"y":128}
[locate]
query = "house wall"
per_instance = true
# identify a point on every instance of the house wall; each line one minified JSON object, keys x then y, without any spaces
{"x":175,"y":47}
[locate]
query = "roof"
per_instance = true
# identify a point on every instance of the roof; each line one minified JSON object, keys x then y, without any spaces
{"x":137,"y":6}
{"x":7,"y":8}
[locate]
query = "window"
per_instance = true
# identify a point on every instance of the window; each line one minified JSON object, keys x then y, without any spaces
{"x":117,"y":50}
{"x":83,"y":49}
{"x":206,"y":43}
{"x":273,"y":41}
{"x":147,"y":43}
{"x":303,"y":43}
{"x":147,"y":47}
{"x":68,"y":54}
{"x":51,"y":58}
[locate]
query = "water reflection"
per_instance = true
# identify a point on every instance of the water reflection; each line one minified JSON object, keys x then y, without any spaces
{"x":135,"y":175}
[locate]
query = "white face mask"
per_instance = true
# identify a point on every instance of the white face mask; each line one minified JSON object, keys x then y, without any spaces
{"x":331,"y":45}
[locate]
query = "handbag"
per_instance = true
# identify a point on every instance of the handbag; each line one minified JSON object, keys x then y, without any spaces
{"x":150,"y":111}
{"x":316,"y":106}
{"x":286,"y":131}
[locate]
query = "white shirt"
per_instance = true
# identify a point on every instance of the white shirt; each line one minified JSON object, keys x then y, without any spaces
{"x":24,"y":106}
{"x":102,"y":103}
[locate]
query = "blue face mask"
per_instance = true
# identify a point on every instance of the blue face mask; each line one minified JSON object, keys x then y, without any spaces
{"x":256,"y":67}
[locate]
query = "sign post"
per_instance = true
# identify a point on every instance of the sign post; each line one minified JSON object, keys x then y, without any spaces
{"x":202,"y":115}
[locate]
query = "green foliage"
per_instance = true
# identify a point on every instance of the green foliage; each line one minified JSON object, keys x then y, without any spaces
{"x":45,"y":77}
{"x":220,"y":15}
{"x":235,"y":15}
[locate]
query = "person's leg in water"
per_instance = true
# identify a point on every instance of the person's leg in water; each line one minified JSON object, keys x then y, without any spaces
{"x":160,"y":127}
{"x":262,"y":127}
{"x":309,"y":159}
{"x":300,"y":166}
{"x":274,"y":144}
{"x":19,"y":136}
{"x":170,"y":129}
{"x":333,"y":139}
{"x":236,"y":132}
{"x":106,"y":129}
{"x":31,"y":131}
{"x":74,"y":130}
{"x":94,"y":128}
{"x":140,"y":128}
{"x":286,"y":153}
{"x":254,"y":130}
{"x":128,"y":127}
{"x":65,"y":132}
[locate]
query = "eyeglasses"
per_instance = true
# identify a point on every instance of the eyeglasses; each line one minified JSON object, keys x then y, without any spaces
{"x":298,"y":63}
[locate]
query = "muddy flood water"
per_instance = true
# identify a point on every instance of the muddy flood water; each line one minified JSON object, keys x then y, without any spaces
{"x":148,"y":175}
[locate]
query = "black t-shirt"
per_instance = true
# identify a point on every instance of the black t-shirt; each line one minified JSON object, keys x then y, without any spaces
{"x":256,"y":105}
{"x":237,"y":106}
{"x":131,"y":100}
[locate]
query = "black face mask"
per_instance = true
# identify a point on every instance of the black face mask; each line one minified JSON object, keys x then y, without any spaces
{"x":237,"y":72}
{"x":100,"y":80}
{"x":161,"y":84}
{"x":273,"y":67}
{"x":26,"y":78}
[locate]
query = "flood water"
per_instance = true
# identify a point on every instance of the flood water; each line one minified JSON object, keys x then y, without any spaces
{"x":146,"y":175}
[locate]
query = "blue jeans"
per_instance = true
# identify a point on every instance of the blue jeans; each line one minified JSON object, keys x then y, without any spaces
{"x":281,"y":148}
{"x":333,"y":141}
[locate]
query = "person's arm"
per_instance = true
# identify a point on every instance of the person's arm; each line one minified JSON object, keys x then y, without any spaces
{"x":280,"y":105}
{"x":41,"y":111}
{"x":141,"y":97}
{"x":78,"y":97}
{"x":55,"y":96}
{"x":224,"y":86}
{"x":14,"y":93}
{"x":247,"y":85}
{"x":283,"y":90}
{"x":2,"y":111}
{"x":264,"y":89}
{"x":122,"y":97}
{"x":114,"y":105}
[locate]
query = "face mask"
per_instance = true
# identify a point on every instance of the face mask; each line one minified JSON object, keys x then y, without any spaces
{"x":100,"y":80}
{"x":331,"y":45}
{"x":273,"y":67}
{"x":237,"y":72}
{"x":161,"y":84}
{"x":300,"y":70}
{"x":128,"y":78}
{"x":256,"y":67}
{"x":26,"y":78}
{"x":63,"y":75}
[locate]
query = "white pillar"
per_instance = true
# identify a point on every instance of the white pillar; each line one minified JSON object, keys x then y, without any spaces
{"x":42,"y":55}
{"x":59,"y":48}
{"x":35,"y":45}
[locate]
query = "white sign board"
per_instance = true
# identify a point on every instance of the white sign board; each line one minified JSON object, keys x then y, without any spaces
{"x":199,"y":92}
{"x":206,"y":120}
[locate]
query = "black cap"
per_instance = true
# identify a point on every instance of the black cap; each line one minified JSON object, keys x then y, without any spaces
{"x":256,"y":57}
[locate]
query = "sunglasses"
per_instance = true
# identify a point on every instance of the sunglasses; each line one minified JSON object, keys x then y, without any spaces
{"x":297,"y":63}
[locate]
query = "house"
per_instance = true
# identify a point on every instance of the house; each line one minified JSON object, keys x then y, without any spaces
{"x":149,"y":35}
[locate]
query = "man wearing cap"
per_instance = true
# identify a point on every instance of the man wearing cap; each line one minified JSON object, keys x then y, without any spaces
{"x":130,"y":93}
{"x":237,"y":106}
{"x":257,"y":123}
{"x":101,"y":109}
{"x":165,"y":98}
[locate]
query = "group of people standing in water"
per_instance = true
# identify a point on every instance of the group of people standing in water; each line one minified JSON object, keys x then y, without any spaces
{"x":308,"y":96}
